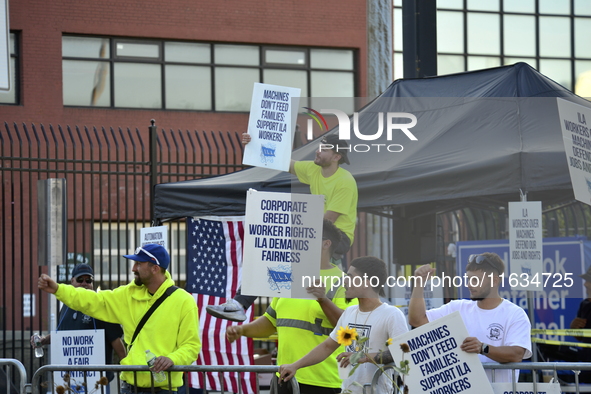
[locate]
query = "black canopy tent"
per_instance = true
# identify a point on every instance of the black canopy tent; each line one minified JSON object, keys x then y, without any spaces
{"x":482,"y":137}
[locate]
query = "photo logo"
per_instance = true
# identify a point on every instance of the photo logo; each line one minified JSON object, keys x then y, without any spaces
{"x":395,"y":122}
{"x":317,"y":117}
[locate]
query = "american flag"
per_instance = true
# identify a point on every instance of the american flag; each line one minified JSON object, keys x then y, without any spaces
{"x":214,"y":259}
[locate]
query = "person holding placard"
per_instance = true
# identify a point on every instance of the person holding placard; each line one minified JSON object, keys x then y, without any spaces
{"x":301,"y":324}
{"x":500,"y":329}
{"x":372,"y":319}
{"x":155,"y":315}
{"x":325,"y":177}
{"x":70,"y":319}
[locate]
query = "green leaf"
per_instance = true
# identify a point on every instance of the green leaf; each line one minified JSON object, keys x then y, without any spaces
{"x":355,"y":357}
{"x":353,"y":369}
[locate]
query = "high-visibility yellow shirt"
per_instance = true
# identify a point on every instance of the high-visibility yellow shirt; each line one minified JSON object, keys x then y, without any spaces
{"x":301,"y":326}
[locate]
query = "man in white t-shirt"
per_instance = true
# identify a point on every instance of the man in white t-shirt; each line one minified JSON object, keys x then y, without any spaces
{"x":371,"y":319}
{"x":499,"y":329}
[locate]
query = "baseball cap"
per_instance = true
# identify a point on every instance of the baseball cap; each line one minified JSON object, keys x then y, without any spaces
{"x":152,"y":253}
{"x":586,"y":275}
{"x":339,"y":146}
{"x":82,"y":269}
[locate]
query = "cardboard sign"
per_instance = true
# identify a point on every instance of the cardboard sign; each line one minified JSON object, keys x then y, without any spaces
{"x":525,"y":245}
{"x":576,"y":136}
{"x":273,"y":114}
{"x":437,"y":364}
{"x":78,"y":347}
{"x":282,"y":243}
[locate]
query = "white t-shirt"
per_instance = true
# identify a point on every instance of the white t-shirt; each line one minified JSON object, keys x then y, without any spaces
{"x":506,"y":325}
{"x":379,"y":325}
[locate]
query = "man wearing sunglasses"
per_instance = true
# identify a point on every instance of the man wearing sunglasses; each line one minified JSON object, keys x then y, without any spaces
{"x":171,"y":332}
{"x":499,"y":329}
{"x":70,"y":319}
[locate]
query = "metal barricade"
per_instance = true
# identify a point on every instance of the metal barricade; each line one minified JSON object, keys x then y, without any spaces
{"x":370,"y":388}
{"x":36,"y":380}
{"x":6,"y":363}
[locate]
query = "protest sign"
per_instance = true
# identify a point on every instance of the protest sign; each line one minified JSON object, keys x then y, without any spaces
{"x":78,"y":347}
{"x":437,"y":364}
{"x":526,"y":388}
{"x":154,"y":235}
{"x":273,"y":114}
{"x":577,"y":145}
{"x":525,"y":245}
{"x":282,"y":243}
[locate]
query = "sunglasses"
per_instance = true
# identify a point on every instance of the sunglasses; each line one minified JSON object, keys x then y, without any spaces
{"x":80,"y":280}
{"x":481,"y":259}
{"x":140,"y":249}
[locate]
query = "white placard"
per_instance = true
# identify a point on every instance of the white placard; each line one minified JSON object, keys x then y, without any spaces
{"x":4,"y":47}
{"x":525,"y":246}
{"x":437,"y":364}
{"x":154,"y":235}
{"x":78,"y":347}
{"x":273,"y":114}
{"x":282,"y":243}
{"x":576,"y":136}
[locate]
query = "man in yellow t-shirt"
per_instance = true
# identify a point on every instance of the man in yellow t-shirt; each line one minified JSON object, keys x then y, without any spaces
{"x":325,"y":177}
{"x":302,"y":324}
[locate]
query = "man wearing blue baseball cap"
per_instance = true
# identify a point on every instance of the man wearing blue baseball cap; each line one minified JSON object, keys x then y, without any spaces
{"x":170,"y":332}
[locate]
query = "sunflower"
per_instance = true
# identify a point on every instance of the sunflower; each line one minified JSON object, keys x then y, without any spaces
{"x":346,"y":335}
{"x":389,"y":342}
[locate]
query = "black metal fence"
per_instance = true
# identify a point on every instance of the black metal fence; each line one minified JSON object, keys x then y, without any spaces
{"x":110,"y":173}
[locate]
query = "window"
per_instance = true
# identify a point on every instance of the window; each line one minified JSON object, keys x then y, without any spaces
{"x":126,"y":73}
{"x":549,"y":35}
{"x":11,"y":96}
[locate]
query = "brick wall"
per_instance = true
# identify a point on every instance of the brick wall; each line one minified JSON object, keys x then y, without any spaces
{"x":329,"y":23}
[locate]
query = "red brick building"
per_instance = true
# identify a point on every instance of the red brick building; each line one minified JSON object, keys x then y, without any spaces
{"x":57,"y":44}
